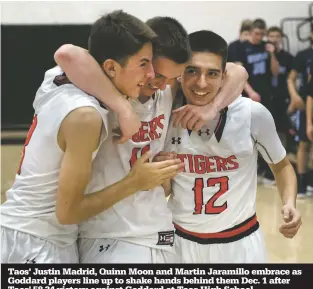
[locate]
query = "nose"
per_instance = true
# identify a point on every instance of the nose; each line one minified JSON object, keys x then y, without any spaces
{"x":201,"y":82}
{"x":150,"y":71}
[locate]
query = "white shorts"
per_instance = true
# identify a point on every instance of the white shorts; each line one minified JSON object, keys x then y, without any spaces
{"x":116,"y":251}
{"x":19,"y":247}
{"x":250,"y":249}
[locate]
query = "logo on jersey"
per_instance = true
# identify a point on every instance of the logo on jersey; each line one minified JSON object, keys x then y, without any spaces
{"x":106,"y":248}
{"x":33,"y":261}
{"x":207,"y":132}
{"x":166,"y":238}
{"x":176,"y":140}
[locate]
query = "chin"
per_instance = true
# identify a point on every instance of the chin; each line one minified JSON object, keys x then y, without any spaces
{"x":147,"y":93}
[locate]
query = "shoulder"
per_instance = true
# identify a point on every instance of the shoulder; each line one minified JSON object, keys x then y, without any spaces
{"x":261,"y":117}
{"x":82,"y":120}
{"x":86,"y":115}
{"x":258,"y":109}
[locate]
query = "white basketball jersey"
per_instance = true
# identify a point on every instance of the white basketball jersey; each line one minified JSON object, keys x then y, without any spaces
{"x":217,"y":190}
{"x":30,"y":205}
{"x":143,"y":217}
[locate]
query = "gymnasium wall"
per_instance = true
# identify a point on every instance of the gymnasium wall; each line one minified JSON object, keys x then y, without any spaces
{"x":32,"y":31}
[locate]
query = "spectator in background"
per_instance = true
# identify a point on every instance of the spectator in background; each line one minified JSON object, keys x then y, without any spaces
{"x":309,"y":127}
{"x":243,"y":37}
{"x":309,"y":108}
{"x":280,"y":88}
{"x":301,"y":69}
{"x":258,"y":58}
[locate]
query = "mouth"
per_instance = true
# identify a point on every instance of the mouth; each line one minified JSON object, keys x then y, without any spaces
{"x":200,"y":93}
{"x":140,"y":84}
{"x":151,"y":86}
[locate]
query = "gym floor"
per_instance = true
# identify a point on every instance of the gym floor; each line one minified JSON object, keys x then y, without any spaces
{"x":280,"y":249}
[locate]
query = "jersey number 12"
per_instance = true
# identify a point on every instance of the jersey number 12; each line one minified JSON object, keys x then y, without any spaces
{"x":210,"y":207}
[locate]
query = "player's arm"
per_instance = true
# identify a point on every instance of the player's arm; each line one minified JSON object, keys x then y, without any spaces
{"x":194,"y":117}
{"x":167,"y":186}
{"x":269,"y":145}
{"x":79,"y":137}
{"x":83,"y":71}
{"x":162,"y":156}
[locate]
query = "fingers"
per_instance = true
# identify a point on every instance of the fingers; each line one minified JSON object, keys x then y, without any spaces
{"x":178,"y":109}
{"x":145,"y":157}
{"x":192,"y":122}
{"x":172,"y":168}
{"x":177,"y":117}
{"x":199,"y":124}
{"x":163,"y":156}
{"x":291,"y":224}
{"x":169,"y":175}
{"x":165,"y":164}
{"x":185,"y":119}
{"x":290,"y":233}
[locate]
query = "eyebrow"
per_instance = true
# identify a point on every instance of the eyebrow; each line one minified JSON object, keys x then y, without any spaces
{"x":167,"y":77}
{"x":209,"y":69}
{"x":145,"y":60}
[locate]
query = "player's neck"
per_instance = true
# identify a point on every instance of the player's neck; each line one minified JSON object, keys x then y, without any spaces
{"x":143,"y":99}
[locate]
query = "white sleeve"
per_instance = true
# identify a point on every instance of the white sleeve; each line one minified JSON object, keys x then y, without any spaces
{"x":264,"y":134}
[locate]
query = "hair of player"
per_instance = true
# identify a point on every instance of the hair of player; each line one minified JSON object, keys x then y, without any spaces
{"x":259,"y":24}
{"x":172,"y":39}
{"x":246,"y":25}
{"x":118,"y":35}
{"x":275,"y":29}
{"x":208,"y":41}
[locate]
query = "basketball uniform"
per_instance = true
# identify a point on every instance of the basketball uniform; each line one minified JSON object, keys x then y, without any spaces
{"x":30,"y":230}
{"x":213,"y":200}
{"x":137,"y":229}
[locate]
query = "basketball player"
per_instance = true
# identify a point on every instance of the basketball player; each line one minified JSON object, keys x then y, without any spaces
{"x":301,"y":69}
{"x":39,"y":219}
{"x":213,"y":200}
{"x":139,"y":229}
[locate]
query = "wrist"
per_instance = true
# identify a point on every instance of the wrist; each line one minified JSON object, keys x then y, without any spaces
{"x":131,"y":183}
{"x":120,"y":105}
{"x":291,"y":202}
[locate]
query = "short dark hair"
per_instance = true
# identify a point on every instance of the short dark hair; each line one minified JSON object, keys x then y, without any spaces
{"x":259,"y":23}
{"x":208,"y":41}
{"x":172,"y":39}
{"x":246,"y":25}
{"x":275,"y":29}
{"x":118,"y":35}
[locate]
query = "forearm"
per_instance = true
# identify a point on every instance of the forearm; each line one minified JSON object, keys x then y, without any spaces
{"x":234,"y":83}
{"x":167,"y":186}
{"x":287,"y":184}
{"x":95,"y":203}
{"x":309,"y":110}
{"x":274,"y":65}
{"x":292,"y":89}
{"x":83,"y":71}
{"x":248,"y":89}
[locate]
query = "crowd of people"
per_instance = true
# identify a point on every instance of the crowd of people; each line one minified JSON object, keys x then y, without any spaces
{"x":273,"y":72}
